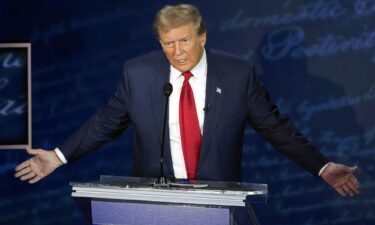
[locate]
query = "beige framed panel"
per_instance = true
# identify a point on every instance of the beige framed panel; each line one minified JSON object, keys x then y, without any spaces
{"x":28,"y":143}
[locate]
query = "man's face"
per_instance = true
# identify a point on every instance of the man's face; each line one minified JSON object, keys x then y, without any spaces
{"x":183,"y":46}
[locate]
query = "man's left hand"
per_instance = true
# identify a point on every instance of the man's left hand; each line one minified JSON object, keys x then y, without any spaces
{"x":342,"y":179}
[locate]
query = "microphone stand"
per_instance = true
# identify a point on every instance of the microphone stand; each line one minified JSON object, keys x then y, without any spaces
{"x":162,"y":181}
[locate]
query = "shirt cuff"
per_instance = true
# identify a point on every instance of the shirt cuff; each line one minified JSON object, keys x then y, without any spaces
{"x":323,"y":168}
{"x":60,"y":155}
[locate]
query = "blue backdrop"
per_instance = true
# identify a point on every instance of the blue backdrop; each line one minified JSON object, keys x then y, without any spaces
{"x":316,"y":58}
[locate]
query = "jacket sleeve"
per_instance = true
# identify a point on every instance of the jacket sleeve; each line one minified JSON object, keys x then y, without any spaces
{"x":104,"y":126}
{"x":278,"y":130}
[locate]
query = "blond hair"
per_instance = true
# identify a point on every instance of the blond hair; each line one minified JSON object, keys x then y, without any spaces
{"x":173,"y":16}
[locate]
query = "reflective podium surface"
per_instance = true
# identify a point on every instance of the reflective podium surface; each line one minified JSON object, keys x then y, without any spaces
{"x":135,"y":200}
{"x":199,"y":192}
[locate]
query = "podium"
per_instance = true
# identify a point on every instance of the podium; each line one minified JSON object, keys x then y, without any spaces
{"x":134,"y":201}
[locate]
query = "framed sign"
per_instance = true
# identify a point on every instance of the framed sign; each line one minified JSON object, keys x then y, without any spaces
{"x":15,"y":95}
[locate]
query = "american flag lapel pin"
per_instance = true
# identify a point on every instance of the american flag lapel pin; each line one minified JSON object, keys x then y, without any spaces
{"x":218,"y":90}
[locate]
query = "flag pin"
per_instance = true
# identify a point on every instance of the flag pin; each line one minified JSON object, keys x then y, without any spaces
{"x":218,"y":90}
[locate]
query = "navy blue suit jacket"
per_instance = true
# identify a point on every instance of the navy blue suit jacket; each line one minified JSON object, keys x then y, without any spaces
{"x":139,"y":100}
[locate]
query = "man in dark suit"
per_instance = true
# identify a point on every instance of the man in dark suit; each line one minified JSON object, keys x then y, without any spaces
{"x":214,"y":96}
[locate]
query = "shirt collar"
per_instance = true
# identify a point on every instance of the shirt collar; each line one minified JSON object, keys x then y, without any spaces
{"x":198,"y":71}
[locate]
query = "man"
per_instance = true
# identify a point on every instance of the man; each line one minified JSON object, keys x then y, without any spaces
{"x":213,"y":97}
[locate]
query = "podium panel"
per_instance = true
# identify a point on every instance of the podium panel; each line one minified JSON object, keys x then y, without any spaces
{"x":125,"y":213}
{"x":135,"y":201}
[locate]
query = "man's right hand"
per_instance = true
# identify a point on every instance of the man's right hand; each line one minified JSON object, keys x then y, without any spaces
{"x":39,"y":166}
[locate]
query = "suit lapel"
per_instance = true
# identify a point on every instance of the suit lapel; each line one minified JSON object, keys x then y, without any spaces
{"x":214,"y":101}
{"x":160,"y":77}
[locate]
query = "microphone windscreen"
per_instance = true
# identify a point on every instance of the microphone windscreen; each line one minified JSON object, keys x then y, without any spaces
{"x":168,"y":88}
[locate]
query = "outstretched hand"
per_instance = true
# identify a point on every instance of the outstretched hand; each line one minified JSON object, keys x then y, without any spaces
{"x":39,"y":166}
{"x":342,"y":179}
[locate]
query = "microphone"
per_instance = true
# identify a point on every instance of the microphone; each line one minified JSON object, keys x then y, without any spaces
{"x":168,"y":89}
{"x":206,"y":108}
{"x":161,"y":181}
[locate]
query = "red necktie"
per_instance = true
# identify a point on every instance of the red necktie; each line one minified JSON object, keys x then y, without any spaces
{"x":191,"y":138}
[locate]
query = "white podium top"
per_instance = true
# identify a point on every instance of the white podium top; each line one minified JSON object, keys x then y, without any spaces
{"x":199,"y":193}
